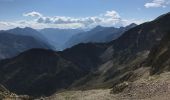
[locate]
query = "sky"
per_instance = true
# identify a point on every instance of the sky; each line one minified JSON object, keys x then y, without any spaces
{"x":40,"y":14}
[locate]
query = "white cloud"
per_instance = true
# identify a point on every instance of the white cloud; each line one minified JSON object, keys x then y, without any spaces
{"x":110,"y":18}
{"x":157,"y":3}
{"x":33,"y":14}
{"x":39,"y":21}
{"x":113,"y":14}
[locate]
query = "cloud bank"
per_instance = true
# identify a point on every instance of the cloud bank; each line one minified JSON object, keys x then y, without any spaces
{"x":39,"y":21}
{"x":109,"y":18}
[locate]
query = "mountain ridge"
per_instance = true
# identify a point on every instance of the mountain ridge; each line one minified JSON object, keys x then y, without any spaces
{"x":99,"y":34}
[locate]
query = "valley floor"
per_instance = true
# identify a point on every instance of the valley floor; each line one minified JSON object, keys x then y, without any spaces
{"x":151,"y":88}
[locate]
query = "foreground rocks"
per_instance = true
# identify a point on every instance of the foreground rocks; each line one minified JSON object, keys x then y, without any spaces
{"x":7,"y":95}
{"x":151,"y":88}
{"x":120,"y":87}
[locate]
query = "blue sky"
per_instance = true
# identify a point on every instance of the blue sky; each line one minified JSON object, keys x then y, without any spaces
{"x":78,"y":13}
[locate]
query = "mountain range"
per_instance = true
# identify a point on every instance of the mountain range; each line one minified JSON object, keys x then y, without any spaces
{"x":50,"y":38}
{"x":98,"y":34}
{"x":91,"y":65}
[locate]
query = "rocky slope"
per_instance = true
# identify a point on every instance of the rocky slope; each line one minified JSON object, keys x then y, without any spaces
{"x":159,"y":57}
{"x":154,"y":87}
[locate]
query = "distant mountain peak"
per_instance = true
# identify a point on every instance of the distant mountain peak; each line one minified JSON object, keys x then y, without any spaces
{"x":99,"y":27}
{"x":25,"y":28}
{"x":28,"y":28}
{"x":131,"y":25}
{"x":162,"y":16}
